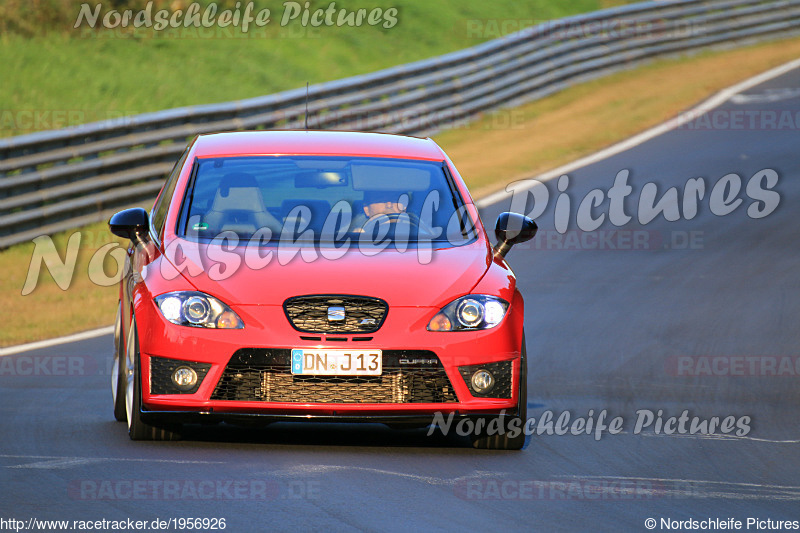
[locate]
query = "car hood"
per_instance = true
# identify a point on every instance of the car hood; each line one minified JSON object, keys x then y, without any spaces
{"x":414,"y":278}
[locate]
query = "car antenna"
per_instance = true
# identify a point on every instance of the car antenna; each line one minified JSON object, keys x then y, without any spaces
{"x":306,"y":106}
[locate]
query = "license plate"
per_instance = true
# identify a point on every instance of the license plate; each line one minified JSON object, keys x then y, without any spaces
{"x":337,"y":362}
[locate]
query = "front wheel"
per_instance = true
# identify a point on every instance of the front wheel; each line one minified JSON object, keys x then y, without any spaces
{"x":512,"y":424}
{"x":117,"y":375}
{"x":138,"y":429}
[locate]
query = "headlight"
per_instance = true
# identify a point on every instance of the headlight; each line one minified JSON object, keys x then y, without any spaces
{"x":196,"y":309}
{"x":468,"y":313}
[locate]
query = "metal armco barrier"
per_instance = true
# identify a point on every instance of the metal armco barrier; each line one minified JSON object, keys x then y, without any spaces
{"x":57,"y":180}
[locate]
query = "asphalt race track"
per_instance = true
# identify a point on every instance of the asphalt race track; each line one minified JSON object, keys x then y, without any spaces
{"x":701,"y":316}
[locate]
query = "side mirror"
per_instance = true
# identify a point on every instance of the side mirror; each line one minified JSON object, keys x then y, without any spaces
{"x":511,"y":229}
{"x":130,"y":224}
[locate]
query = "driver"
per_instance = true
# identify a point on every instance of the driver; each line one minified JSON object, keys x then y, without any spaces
{"x":390,"y":205}
{"x":377,"y":203}
{"x":384,"y":203}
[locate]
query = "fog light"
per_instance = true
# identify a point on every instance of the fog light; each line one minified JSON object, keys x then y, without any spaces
{"x":482,"y":381}
{"x":184,"y":377}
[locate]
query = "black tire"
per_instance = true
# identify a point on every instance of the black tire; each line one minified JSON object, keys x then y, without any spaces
{"x":137,"y":428}
{"x":515,"y":422}
{"x":117,"y":375}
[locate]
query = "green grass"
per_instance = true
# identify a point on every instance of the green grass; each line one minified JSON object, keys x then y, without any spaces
{"x":68,"y":77}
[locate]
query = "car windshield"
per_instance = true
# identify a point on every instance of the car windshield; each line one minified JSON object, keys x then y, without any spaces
{"x":324,"y":200}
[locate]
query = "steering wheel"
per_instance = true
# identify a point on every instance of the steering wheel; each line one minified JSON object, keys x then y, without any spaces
{"x":423,"y":229}
{"x":394,"y":218}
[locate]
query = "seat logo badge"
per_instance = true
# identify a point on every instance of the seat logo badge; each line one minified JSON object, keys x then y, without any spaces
{"x":335,"y":314}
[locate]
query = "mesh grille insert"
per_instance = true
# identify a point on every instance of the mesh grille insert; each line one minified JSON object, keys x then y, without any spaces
{"x":502,"y":374}
{"x":310,"y":314}
{"x":265,"y":375}
{"x":161,"y":370}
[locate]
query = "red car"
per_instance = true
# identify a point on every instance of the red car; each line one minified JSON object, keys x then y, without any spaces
{"x":317,"y":275}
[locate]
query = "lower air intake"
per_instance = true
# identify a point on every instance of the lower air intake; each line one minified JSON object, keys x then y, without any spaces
{"x":264,"y":375}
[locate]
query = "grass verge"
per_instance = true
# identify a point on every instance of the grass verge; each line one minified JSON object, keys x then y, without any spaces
{"x":500,"y":147}
{"x":82,"y":75}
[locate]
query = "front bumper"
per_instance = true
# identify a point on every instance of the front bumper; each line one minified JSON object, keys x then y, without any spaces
{"x":404,"y":332}
{"x":172,"y":418}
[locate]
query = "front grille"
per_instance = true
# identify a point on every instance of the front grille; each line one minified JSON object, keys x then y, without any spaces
{"x":502,"y":375}
{"x":264,"y":375}
{"x":161,"y":370}
{"x":309,"y":314}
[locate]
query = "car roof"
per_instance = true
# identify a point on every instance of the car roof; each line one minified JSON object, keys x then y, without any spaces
{"x":315,"y":142}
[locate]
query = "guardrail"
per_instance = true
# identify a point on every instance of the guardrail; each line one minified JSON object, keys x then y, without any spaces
{"x":57,"y":180}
